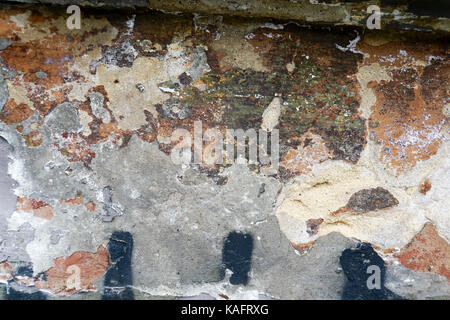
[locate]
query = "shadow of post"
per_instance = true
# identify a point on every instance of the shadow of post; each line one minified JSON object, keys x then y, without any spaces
{"x":119,"y":278}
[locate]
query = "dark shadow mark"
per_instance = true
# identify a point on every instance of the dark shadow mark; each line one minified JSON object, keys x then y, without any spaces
{"x":21,"y":295}
{"x":25,"y":293}
{"x":118,"y":278}
{"x":437,"y":8}
{"x":25,"y":271}
{"x":237,"y":257}
{"x":355,"y":263}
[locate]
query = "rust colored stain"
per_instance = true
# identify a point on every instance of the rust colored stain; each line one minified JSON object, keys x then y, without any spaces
{"x":302,"y":247}
{"x":91,"y":267}
{"x":407,"y":119}
{"x":427,"y":252}
{"x":425,"y":187}
{"x":7,"y":27}
{"x":49,"y":55}
{"x":34,"y":50}
{"x":75,"y":148}
{"x":15,"y":113}
{"x":39,"y":208}
{"x":223,"y":296}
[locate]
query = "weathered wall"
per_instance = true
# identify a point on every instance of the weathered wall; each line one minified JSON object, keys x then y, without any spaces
{"x":397,"y":14}
{"x":89,"y":114}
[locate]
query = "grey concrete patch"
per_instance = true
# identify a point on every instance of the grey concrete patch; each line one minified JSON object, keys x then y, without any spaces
{"x":4,"y":43}
{"x":97,"y":100}
{"x":12,"y":242}
{"x":7,"y":197}
{"x":41,"y":75}
{"x":415,"y":285}
{"x":64,"y":118}
{"x":4,"y":94}
{"x":286,"y":275}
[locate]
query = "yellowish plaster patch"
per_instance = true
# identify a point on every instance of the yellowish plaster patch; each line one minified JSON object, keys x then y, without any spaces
{"x":366,"y":74}
{"x":126,"y":101}
{"x":238,"y":52}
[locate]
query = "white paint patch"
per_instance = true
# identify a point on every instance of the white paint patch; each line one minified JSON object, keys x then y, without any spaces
{"x":366,"y":74}
{"x":271,"y":115}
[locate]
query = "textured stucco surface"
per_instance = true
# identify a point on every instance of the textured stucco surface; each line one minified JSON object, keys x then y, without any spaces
{"x":86,"y":119}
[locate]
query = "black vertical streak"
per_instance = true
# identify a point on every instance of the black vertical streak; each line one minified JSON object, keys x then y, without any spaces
{"x":119,"y":276}
{"x":237,"y":256}
{"x":355,"y":262}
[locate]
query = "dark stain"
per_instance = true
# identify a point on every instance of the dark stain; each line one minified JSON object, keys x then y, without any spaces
{"x":25,"y":271}
{"x":371,"y":199}
{"x":438,"y":8}
{"x":307,"y":142}
{"x":119,"y":276}
{"x":262,"y":189}
{"x":26,"y":293}
{"x":355,"y":263}
{"x":237,"y":257}
{"x":153,"y":29}
{"x":184,"y":79}
{"x":312,"y":226}
{"x":12,"y":294}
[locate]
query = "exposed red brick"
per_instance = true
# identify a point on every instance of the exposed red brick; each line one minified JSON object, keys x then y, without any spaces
{"x":39,"y":208}
{"x":91,"y":265}
{"x":78,"y":200}
{"x":45,"y":212}
{"x":427,"y":252}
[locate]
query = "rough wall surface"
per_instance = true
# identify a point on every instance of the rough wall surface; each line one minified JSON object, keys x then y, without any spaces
{"x":87,"y":117}
{"x":397,"y":14}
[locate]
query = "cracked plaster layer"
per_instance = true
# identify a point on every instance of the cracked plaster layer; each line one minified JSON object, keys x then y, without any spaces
{"x":91,"y":152}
